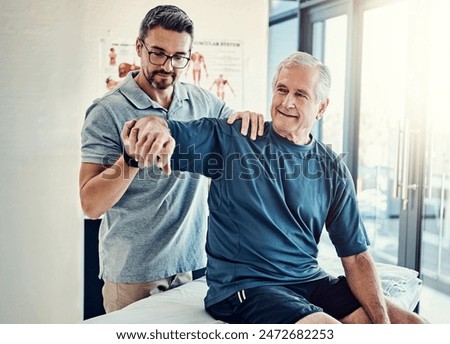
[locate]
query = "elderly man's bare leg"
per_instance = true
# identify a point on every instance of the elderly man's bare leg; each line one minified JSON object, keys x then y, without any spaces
{"x":398,"y":315}
{"x":318,"y":318}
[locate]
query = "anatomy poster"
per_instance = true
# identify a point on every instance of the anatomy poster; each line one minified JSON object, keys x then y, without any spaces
{"x":217,"y":66}
{"x":118,"y":57}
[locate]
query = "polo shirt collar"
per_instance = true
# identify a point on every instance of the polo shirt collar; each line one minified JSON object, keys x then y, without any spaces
{"x":141,"y":100}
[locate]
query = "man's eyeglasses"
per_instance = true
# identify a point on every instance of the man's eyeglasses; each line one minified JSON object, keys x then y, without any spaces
{"x":160,"y":59}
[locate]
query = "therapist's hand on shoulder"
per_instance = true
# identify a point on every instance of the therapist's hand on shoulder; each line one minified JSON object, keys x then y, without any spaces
{"x":149,"y":142}
{"x":250,"y":120}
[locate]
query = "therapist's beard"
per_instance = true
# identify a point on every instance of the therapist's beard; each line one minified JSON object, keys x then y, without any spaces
{"x":163,"y":83}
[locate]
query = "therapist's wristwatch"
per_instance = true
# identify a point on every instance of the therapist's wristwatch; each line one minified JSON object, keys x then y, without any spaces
{"x":129,"y":160}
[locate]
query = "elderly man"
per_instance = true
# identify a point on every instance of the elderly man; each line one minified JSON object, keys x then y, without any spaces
{"x":269,"y":202}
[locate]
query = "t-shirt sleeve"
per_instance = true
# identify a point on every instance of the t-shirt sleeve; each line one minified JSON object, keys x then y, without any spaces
{"x":344,"y":222}
{"x":100,"y":137}
{"x":200,"y":146}
{"x":217,"y":108}
{"x":224,"y":110}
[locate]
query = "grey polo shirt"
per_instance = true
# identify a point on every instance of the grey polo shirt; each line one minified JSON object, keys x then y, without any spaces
{"x":158,"y":227}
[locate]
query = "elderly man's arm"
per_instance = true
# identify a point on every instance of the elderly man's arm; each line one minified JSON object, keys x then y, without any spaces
{"x":149,"y":141}
{"x":364,"y":282}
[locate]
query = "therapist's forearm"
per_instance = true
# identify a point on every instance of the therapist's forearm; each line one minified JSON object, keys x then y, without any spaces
{"x":102,"y":191}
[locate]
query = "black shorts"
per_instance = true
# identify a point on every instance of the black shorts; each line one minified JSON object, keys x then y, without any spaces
{"x":274,"y":304}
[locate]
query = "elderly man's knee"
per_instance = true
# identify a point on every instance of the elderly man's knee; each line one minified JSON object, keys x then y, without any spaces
{"x":318,"y":318}
{"x":399,"y":315}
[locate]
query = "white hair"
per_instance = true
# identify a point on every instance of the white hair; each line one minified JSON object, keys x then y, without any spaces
{"x":306,"y":60}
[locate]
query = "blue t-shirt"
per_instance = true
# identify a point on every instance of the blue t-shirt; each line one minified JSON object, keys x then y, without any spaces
{"x":269,"y":201}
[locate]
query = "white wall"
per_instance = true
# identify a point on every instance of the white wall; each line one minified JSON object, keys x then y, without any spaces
{"x":49,"y":58}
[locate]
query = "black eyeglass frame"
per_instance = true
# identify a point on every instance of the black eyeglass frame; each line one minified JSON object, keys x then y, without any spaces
{"x":150,"y":53}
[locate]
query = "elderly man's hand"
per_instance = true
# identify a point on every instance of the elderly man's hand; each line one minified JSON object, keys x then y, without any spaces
{"x":249,"y":119}
{"x":149,"y":142}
